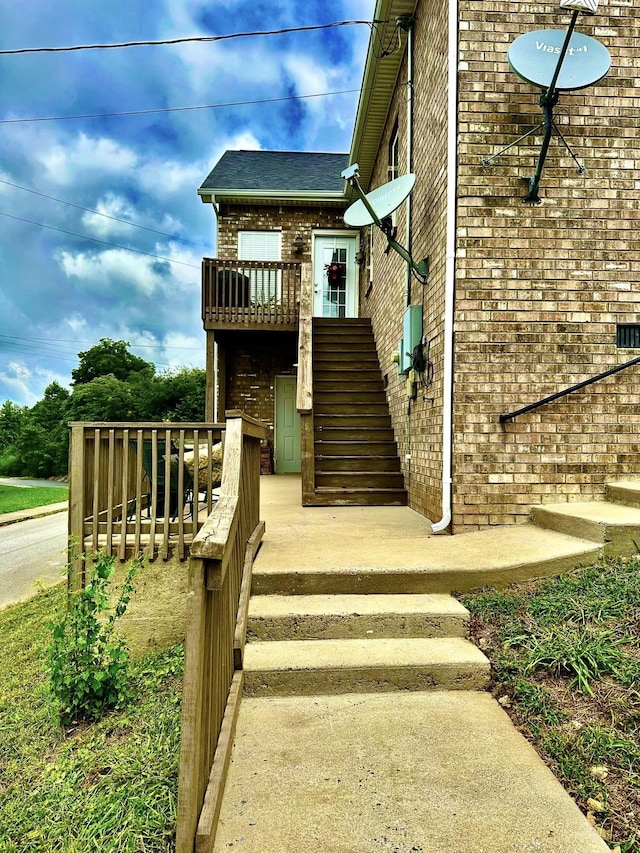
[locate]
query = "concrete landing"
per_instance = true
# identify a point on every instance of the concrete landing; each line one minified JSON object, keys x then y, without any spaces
{"x":353,"y":550}
{"x":403,"y":772}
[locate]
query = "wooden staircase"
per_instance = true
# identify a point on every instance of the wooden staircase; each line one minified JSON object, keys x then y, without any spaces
{"x":355,"y":455}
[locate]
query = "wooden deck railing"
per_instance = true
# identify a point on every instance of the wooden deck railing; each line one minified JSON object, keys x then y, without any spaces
{"x":219,"y":584}
{"x":250,"y":293}
{"x":141,"y":487}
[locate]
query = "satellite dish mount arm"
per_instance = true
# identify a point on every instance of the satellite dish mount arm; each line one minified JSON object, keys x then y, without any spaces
{"x":351,"y":176}
{"x":548,"y":100}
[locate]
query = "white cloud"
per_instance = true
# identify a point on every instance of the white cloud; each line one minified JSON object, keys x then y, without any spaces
{"x":14,"y":384}
{"x":112,"y":268}
{"x":117,"y":267}
{"x":245,"y":141}
{"x":76,"y":323}
{"x":110,"y":205}
{"x":163,"y":177}
{"x":63,"y":162}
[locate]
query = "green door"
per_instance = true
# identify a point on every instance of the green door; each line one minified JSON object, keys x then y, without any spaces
{"x":287,"y":426}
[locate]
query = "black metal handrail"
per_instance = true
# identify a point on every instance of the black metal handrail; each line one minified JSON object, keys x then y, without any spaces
{"x":569,"y":390}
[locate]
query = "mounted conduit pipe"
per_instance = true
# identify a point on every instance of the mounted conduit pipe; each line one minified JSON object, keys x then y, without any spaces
{"x":450,"y":270}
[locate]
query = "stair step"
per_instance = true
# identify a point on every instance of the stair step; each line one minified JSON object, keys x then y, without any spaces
{"x":360,"y":479}
{"x":352,"y":422}
{"x":311,"y":667}
{"x":329,"y":496}
{"x":356,"y":408}
{"x":345,"y":447}
{"x":615,"y":525}
{"x":357,"y":463}
{"x":322,"y":347}
{"x":322,"y":617}
{"x":334,"y":372}
{"x":624,"y":492}
{"x":344,"y":360}
{"x":352,"y":395}
{"x":347,"y":384}
{"x":331,"y":432}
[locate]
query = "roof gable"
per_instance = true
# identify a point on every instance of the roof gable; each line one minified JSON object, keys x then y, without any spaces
{"x":276,"y":172}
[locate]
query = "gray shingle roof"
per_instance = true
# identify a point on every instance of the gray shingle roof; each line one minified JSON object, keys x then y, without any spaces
{"x":284,"y":171}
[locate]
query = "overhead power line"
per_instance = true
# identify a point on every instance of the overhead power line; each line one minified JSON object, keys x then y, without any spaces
{"x":76,"y":341}
{"x":180,"y":109}
{"x":95,"y":240}
{"x":184,"y":40}
{"x":92,"y":342}
{"x":105,"y":215}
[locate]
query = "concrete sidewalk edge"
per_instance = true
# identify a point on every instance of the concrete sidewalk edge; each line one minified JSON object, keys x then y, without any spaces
{"x":33,"y":512}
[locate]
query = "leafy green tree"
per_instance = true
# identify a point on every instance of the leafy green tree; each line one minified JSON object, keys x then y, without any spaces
{"x":43,"y":442}
{"x":105,"y":398}
{"x":179,"y":395}
{"x":12,"y":418}
{"x":109,"y":358}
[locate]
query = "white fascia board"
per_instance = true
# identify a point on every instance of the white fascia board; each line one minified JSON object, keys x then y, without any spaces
{"x":214,"y":196}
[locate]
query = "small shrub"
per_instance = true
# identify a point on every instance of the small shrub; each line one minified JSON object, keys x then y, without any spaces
{"x":88,"y":660}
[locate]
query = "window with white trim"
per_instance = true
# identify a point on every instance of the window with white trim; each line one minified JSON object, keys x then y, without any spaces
{"x":264,"y":285}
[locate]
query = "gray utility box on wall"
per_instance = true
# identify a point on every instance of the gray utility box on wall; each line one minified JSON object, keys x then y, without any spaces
{"x":412,"y":336}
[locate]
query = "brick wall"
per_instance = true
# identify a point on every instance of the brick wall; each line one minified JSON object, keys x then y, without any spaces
{"x":253,"y":359}
{"x":291,"y":220}
{"x":418,"y":428}
{"x":539,"y":289}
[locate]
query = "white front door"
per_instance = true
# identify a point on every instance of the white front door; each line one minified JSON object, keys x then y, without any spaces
{"x":335,"y":281}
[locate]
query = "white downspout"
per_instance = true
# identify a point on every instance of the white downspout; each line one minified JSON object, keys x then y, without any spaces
{"x":407,"y":294}
{"x":450,"y":270}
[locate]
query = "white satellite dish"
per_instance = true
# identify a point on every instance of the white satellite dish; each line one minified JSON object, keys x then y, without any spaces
{"x":383,"y":201}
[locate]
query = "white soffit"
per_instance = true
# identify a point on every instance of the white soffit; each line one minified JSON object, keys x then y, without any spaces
{"x":379,"y":80}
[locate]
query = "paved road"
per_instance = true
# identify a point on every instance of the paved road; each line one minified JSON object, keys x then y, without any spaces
{"x":31,"y":552}
{"x":20,"y":482}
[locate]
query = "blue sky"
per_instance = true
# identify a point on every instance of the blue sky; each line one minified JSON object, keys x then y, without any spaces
{"x":60,"y":293}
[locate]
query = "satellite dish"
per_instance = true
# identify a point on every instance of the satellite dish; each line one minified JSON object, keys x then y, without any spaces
{"x":534,"y":58}
{"x":383,"y":200}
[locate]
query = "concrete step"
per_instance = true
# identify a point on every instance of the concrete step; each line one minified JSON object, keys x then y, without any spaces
{"x":624,"y":492}
{"x":320,"y":667}
{"x":385,"y":559}
{"x":321,"y":617}
{"x":616,"y":526}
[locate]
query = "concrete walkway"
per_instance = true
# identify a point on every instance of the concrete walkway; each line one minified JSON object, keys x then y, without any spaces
{"x":409,"y":772}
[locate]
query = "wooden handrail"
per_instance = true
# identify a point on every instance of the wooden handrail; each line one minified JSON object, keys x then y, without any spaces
{"x":219,"y":579}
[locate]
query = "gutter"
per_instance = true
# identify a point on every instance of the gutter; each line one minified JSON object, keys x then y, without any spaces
{"x":450,"y":271}
{"x":213,"y":196}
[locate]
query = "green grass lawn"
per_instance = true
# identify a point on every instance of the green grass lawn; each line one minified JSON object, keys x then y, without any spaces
{"x":110,"y":786}
{"x":14,"y":498}
{"x":565,"y":657}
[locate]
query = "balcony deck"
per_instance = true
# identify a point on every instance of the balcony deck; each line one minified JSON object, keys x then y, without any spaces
{"x":239,"y":294}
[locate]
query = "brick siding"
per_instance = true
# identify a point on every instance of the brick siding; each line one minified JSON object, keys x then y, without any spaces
{"x":539,"y":290}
